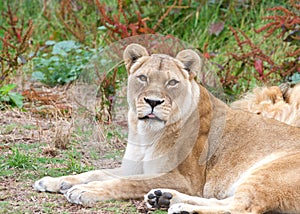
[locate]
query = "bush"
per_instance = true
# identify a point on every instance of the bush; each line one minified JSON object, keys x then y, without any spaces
{"x":63,"y":64}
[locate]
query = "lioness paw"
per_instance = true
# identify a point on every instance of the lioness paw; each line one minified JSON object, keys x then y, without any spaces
{"x":47,"y":184}
{"x":160,"y":198}
{"x":50,"y":184}
{"x":80,"y":194}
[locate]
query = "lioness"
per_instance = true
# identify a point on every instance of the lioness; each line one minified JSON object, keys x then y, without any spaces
{"x":211,"y":158}
{"x":279,"y":102}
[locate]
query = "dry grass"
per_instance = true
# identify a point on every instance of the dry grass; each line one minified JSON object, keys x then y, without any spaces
{"x":38,"y":143}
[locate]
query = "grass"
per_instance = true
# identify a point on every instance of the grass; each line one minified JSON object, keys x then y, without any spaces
{"x":25,"y":148}
{"x":190,"y":24}
{"x":24,"y":161}
{"x":8,"y":128}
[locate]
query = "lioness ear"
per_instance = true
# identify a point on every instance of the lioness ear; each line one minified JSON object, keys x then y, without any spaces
{"x":132,"y":53}
{"x":191,"y":61}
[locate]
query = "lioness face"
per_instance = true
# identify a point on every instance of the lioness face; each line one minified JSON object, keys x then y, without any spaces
{"x":161,"y":90}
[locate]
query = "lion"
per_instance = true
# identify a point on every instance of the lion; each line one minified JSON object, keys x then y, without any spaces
{"x":190,"y":152}
{"x":279,"y":102}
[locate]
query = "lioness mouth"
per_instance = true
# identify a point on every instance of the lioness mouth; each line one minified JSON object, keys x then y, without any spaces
{"x":151,"y":117}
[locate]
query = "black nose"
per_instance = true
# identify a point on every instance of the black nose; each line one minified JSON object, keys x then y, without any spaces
{"x":153,"y":103}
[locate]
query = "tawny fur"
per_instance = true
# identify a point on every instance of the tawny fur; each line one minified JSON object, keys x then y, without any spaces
{"x":282,"y":104}
{"x":212,"y":159}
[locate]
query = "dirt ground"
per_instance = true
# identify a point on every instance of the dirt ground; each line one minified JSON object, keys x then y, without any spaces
{"x":45,"y":139}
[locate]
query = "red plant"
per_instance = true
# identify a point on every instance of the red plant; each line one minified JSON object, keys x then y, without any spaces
{"x":254,"y":57}
{"x":285,"y":22}
{"x":123,"y":25}
{"x":72,"y":23}
{"x":251,"y":54}
{"x":15,"y":43}
{"x":289,"y":22}
{"x":117,"y":28}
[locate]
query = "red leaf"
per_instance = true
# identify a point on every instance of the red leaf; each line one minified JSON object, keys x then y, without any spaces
{"x":206,"y":55}
{"x":258,"y":64}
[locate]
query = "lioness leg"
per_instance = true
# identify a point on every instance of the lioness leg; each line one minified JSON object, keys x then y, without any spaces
{"x":131,"y":187}
{"x":274,"y":186}
{"x":63,"y":183}
{"x":270,"y":187}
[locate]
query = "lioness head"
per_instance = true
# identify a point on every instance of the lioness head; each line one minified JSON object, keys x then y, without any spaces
{"x":161,"y":89}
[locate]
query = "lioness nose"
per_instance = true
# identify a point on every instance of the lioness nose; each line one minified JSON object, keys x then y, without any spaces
{"x":153,"y":103}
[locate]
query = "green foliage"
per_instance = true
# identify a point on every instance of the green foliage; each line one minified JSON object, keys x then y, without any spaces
{"x":63,"y":64}
{"x":109,"y":85}
{"x":191,"y":21}
{"x":74,"y":165}
{"x":196,"y":21}
{"x":15,"y":42}
{"x":18,"y":160}
{"x":71,"y":28}
{"x":6,"y":129}
{"x":8,"y":97}
{"x":266,"y":55}
{"x":115,"y":155}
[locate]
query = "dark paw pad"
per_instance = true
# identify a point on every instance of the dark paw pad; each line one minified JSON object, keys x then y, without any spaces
{"x":65,"y":186}
{"x":159,"y":199}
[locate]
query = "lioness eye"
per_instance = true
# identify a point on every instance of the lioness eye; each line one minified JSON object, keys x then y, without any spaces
{"x":143,"y":78}
{"x":173,"y":82}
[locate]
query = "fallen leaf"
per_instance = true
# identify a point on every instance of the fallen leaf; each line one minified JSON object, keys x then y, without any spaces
{"x":216,"y":28}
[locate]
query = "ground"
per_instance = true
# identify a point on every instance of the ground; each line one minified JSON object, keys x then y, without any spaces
{"x":43,"y":140}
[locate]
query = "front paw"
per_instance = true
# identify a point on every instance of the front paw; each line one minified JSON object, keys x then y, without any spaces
{"x":81,"y":194}
{"x":50,"y":184}
{"x":159,"y":198}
